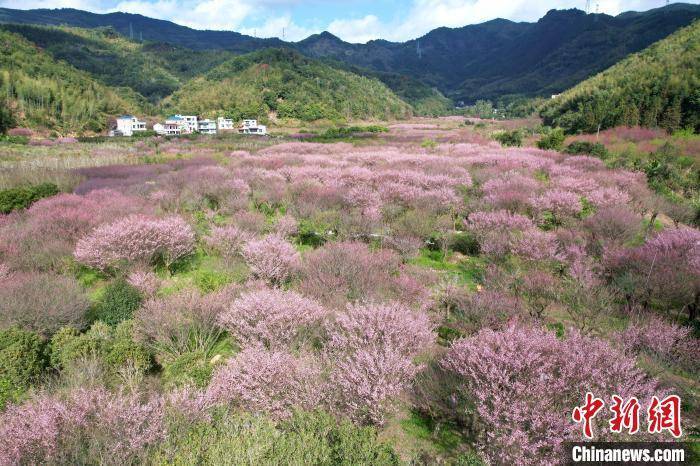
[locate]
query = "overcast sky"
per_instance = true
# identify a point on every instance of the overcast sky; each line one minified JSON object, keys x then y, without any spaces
{"x":351,"y":20}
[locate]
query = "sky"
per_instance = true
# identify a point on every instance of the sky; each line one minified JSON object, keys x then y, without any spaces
{"x":355,"y":21}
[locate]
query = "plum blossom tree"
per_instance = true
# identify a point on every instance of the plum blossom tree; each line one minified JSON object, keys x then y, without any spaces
{"x":663,"y":272}
{"x":136,"y":239}
{"x":272,"y":259}
{"x":272,"y":382}
{"x":524,"y":382}
{"x":115,"y":427}
{"x":370,"y":349}
{"x":271,"y":317}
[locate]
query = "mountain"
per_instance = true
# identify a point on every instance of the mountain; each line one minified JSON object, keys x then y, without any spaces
{"x":42,"y":91}
{"x":482,"y":61}
{"x":500,"y":57}
{"x":150,"y":69}
{"x":282,"y":83}
{"x":140,"y":27}
{"x":658,"y":87}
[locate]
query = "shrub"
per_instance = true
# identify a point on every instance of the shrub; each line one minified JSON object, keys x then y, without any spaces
{"x":305,"y":438}
{"x":119,"y":302}
{"x":21,"y":362}
{"x":42,"y":303}
{"x":186,"y":322}
{"x":512,"y":138}
{"x":272,"y":382}
{"x":136,"y":239}
{"x":188,"y":369}
{"x":552,"y":140}
{"x":272,"y":259}
{"x":464,"y":243}
{"x":115,"y":348}
{"x":523,"y":383}
{"x":23,"y":197}
{"x":371,"y":349}
{"x":587,"y":148}
{"x":348,"y":271}
{"x":272,"y":318}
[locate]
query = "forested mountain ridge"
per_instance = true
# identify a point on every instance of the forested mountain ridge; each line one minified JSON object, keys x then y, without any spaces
{"x":659,"y":86}
{"x":45,"y":92}
{"x":285,"y":84}
{"x":157,"y":70}
{"x":489,"y":60}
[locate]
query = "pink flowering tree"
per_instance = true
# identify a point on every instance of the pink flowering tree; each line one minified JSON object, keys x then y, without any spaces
{"x":272,"y":259}
{"x":86,"y":425}
{"x":498,"y":231}
{"x":371,"y":349}
{"x":271,"y":382}
{"x":228,"y":240}
{"x":556,"y":206}
{"x":668,"y":342}
{"x":273,"y":318}
{"x":145,"y":281}
{"x":136,"y":240}
{"x":662,"y":273}
{"x":524,"y":382}
{"x":348,"y":271}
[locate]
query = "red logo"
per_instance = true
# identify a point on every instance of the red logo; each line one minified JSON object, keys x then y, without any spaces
{"x":626,"y":415}
{"x":661,"y":415}
{"x":587,"y":412}
{"x":665,"y":415}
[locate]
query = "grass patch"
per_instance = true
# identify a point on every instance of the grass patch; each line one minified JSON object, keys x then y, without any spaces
{"x":466,"y":270}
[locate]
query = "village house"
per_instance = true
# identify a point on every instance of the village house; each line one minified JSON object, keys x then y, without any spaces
{"x":252,"y":127}
{"x":127,"y":125}
{"x":191,"y":122}
{"x":175,"y":125}
{"x":225,"y":124}
{"x":207,"y":126}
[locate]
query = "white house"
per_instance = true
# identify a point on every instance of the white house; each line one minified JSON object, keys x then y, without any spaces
{"x":175,"y":125}
{"x":159,"y":128}
{"x":252,"y":127}
{"x":127,"y":124}
{"x":207,"y":126}
{"x":225,"y":124}
{"x":191,"y":122}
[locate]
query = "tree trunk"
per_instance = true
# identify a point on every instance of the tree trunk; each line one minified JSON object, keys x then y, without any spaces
{"x":693,"y":308}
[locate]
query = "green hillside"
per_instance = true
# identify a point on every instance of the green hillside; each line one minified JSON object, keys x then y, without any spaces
{"x":658,"y":87}
{"x":152,"y":70}
{"x":282,"y":82}
{"x":48,"y":93}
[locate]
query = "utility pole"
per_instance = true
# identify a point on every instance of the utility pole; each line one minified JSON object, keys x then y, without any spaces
{"x":418,"y":50}
{"x":588,"y":6}
{"x":131,"y":31}
{"x":283,"y":36}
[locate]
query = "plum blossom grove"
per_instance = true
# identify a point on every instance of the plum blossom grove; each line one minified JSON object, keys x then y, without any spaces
{"x":481,"y":288}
